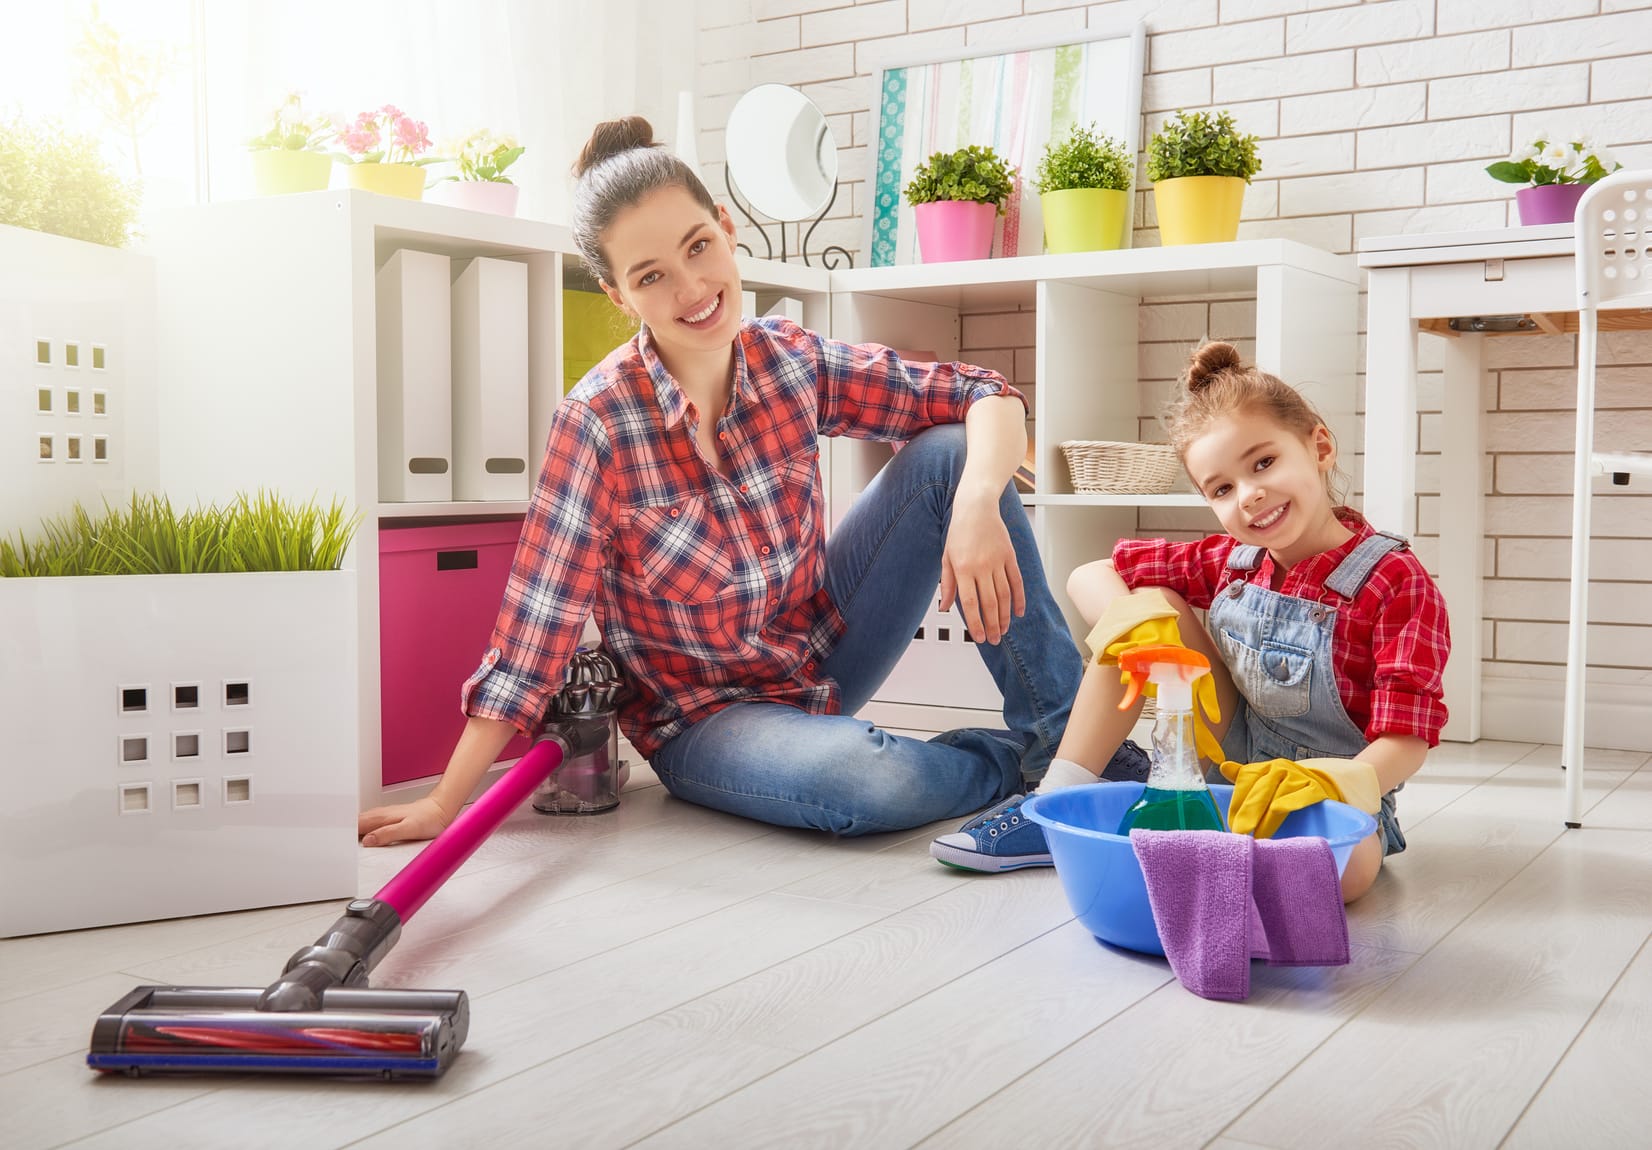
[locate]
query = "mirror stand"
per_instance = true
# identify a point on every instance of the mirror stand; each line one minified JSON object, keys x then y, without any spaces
{"x":832,"y":256}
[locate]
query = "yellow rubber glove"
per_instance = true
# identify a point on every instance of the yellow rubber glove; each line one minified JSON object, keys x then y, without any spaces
{"x":1265,"y":793}
{"x":1142,"y":618}
{"x":1146,"y":618}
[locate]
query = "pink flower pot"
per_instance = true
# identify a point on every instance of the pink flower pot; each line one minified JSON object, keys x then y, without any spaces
{"x":1549,"y":203}
{"x":954,"y":230}
{"x":475,"y":195}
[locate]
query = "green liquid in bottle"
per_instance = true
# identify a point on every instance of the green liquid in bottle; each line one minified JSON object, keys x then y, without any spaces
{"x":1166,"y":810}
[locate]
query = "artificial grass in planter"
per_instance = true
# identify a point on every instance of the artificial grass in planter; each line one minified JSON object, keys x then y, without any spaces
{"x":258,"y":532}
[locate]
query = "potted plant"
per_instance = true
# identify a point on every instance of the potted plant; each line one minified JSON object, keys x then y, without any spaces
{"x":1556,"y":174}
{"x":291,"y":155}
{"x":177,"y":688}
{"x":1199,"y":164}
{"x":384,"y":152}
{"x":1084,"y":188}
{"x":56,"y":182}
{"x":957,"y":197}
{"x":480,"y":183}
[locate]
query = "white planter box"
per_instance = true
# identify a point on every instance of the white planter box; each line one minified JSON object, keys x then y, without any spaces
{"x":175,"y":745}
{"x":77,"y":375}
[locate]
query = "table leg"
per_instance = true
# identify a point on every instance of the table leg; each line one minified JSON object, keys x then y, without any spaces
{"x":1462,"y":530}
{"x":1390,"y":403}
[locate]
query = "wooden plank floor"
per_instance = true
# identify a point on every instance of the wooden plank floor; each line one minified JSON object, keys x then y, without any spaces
{"x":671,"y":977}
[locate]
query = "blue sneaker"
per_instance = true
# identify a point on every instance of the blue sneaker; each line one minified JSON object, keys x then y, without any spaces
{"x":999,"y":839}
{"x":1002,"y":838}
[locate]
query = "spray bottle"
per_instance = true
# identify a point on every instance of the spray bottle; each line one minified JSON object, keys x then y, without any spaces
{"x":1176,"y":797}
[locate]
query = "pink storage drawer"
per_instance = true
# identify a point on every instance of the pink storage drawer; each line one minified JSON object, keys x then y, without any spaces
{"x":439,"y":592}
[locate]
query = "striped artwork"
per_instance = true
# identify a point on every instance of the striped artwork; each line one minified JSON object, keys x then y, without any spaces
{"x":1016,"y":102}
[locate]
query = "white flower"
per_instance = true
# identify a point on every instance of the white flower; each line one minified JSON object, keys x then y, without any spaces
{"x":1521,"y":155}
{"x":1605,"y":158}
{"x":1556,"y":155}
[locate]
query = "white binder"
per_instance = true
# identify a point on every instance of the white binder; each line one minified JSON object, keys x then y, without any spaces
{"x":490,"y":381}
{"x":415,"y":382}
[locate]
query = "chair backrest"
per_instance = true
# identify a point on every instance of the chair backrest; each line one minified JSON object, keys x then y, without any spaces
{"x":1614,"y":242}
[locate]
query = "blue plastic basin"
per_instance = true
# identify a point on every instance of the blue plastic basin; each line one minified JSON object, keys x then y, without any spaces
{"x":1099,"y":870}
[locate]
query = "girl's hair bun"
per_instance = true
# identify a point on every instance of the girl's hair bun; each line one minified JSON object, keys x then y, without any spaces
{"x":610,"y":138}
{"x":1210,"y":361}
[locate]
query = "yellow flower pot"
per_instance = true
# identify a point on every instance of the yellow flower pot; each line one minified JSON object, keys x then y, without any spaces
{"x":1084,"y":219}
{"x":1198,"y":209}
{"x":277,"y":171}
{"x":402,"y":180}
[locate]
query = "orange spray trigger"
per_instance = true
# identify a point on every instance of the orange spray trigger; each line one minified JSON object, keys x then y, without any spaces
{"x":1138,"y":664}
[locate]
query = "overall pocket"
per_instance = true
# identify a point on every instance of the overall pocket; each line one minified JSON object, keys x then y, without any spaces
{"x":1276,"y":679}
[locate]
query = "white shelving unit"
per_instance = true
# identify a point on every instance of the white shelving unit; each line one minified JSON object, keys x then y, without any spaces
{"x":1086,"y":333}
{"x":309,"y":385}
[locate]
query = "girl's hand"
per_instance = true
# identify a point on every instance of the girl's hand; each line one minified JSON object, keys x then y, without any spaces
{"x":978,"y":568}
{"x":404,"y":822}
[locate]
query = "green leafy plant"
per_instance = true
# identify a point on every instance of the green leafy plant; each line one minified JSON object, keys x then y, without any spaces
{"x":1543,"y":161}
{"x":292,"y":129}
{"x":483,"y":156}
{"x":53,"y":181}
{"x":972,"y":174}
{"x":1085,"y":159}
{"x":1201,"y":144}
{"x":259,"y":532}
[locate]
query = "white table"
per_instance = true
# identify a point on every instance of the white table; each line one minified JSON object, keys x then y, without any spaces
{"x":1421,"y":282}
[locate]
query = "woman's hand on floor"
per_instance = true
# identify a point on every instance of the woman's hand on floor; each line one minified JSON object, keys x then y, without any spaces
{"x":401,"y":823}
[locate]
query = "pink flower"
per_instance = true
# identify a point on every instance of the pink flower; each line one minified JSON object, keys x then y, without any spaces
{"x":392,"y":111}
{"x":412,"y":135}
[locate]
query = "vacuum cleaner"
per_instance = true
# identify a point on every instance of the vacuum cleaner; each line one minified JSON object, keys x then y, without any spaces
{"x":320,"y":1016}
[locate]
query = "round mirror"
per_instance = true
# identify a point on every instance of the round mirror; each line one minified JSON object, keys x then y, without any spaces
{"x":781,"y":152}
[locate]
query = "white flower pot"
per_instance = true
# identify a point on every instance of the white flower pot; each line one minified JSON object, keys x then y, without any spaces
{"x":175,"y":745}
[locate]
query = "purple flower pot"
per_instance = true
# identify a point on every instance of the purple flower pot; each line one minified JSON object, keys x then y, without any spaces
{"x":1549,"y":203}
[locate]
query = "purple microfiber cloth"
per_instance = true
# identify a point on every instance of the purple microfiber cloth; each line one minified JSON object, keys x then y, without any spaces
{"x":1199,"y":885}
{"x":1221,"y":899}
{"x":1298,"y":898}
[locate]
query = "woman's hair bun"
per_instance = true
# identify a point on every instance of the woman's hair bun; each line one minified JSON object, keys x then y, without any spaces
{"x":610,"y":138}
{"x":1210,"y":361}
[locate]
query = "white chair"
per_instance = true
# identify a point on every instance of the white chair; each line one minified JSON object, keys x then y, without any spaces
{"x":1614,"y":270}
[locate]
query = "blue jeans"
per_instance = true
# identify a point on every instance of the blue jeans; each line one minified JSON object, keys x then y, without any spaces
{"x":781,"y":765}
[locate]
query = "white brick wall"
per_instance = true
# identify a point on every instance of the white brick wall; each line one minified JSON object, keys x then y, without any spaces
{"x":1376,"y":119}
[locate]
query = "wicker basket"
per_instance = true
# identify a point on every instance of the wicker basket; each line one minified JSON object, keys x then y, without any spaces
{"x":1105,"y":467}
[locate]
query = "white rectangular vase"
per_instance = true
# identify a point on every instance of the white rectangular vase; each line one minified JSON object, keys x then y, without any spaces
{"x":175,"y":745}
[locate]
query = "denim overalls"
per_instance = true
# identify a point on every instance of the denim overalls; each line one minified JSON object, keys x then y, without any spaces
{"x":1278,"y":649}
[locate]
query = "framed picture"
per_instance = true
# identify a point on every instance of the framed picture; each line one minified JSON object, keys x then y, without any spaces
{"x":1017,"y":100}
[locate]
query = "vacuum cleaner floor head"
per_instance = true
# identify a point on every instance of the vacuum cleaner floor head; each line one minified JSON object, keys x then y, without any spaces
{"x":359,"y":1031}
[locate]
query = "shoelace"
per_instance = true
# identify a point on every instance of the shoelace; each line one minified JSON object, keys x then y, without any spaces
{"x":1005,"y":816}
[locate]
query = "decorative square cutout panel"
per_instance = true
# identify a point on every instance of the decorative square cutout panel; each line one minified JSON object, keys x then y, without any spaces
{"x":97,"y":358}
{"x":134,"y":798}
{"x":134,"y":700}
{"x":186,"y":696}
{"x":186,"y":744}
{"x":71,"y":355}
{"x":43,"y":399}
{"x":100,"y":449}
{"x":237,"y":693}
{"x":100,"y":403}
{"x":237,"y":789}
{"x":46,"y":454}
{"x":43,"y":352}
{"x":134,"y":749}
{"x":71,"y":400}
{"x":186,"y":794}
{"x":238,"y":742}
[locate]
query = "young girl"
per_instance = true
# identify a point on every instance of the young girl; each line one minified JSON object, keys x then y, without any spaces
{"x":680,"y":500}
{"x":1327,"y":639}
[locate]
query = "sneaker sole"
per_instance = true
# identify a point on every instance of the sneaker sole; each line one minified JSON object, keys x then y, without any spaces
{"x":961,"y":859}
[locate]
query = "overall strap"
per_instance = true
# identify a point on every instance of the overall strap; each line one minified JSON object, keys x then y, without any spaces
{"x":1356,"y":568}
{"x":1244,"y":557}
